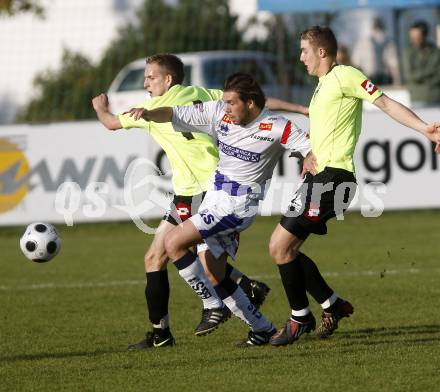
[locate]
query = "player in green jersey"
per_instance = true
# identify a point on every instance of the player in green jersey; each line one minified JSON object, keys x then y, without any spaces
{"x":335,"y":113}
{"x":193,"y":158}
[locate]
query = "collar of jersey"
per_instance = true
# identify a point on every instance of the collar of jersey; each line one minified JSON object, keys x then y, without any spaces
{"x":329,"y":71}
{"x":170,"y":91}
{"x":257,"y":119}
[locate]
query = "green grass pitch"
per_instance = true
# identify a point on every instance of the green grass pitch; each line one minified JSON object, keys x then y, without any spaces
{"x":65,"y":325}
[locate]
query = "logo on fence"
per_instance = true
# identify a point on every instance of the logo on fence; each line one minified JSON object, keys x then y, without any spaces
{"x":14,"y":168}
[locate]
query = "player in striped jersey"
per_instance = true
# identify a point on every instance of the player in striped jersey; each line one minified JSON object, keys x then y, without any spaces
{"x":251,"y":140}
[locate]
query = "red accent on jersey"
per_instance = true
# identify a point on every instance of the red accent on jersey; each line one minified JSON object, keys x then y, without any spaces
{"x":369,"y":87}
{"x":286,"y":132}
{"x":227,"y":119}
{"x":313,"y":212}
{"x":265,"y":126}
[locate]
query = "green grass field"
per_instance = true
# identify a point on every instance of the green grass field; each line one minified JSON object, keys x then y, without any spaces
{"x":65,"y":325}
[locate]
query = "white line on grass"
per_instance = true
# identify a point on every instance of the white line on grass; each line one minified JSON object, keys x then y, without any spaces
{"x":82,"y":285}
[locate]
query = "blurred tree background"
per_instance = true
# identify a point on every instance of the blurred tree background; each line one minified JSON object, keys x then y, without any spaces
{"x":159,"y":26}
{"x":13,"y":7}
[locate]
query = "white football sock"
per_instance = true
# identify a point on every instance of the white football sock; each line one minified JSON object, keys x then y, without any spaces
{"x":236,"y":275}
{"x":240,"y":305}
{"x":164,"y":323}
{"x":329,"y":301}
{"x":195,"y":276}
{"x":301,"y":312}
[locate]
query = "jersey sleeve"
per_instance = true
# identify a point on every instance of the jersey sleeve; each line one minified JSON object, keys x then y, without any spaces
{"x":293,"y":138}
{"x":356,"y":84}
{"x":200,"y":117}
{"x":215,"y":94}
{"x":128,"y":121}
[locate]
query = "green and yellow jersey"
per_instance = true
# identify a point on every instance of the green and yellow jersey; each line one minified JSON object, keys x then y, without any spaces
{"x":192,"y":156}
{"x":335,"y":113}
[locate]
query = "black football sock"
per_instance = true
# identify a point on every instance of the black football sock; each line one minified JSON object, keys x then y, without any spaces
{"x":225,"y":288}
{"x":314,"y":282}
{"x":293,"y":282}
{"x":157,"y":294}
{"x":229,"y":269}
{"x":244,"y":282}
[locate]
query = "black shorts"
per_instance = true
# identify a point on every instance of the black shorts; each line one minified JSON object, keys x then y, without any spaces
{"x":182,"y":208}
{"x":320,"y":198}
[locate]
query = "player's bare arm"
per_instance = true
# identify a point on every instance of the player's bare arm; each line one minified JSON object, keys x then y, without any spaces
{"x":159,"y":115}
{"x":309,"y":165}
{"x":407,"y":117}
{"x":279,"y":104}
{"x":108,"y":119}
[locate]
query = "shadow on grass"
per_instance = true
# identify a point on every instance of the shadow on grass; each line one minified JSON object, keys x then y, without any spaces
{"x":391,"y":331}
{"x":414,"y":334}
{"x":39,"y":356}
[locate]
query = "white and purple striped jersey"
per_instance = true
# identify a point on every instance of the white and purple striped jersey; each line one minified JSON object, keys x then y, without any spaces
{"x":248,"y":153}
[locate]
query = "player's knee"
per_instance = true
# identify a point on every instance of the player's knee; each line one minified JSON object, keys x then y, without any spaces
{"x":172,"y":245}
{"x":274,"y":249}
{"x":155,"y":261}
{"x":280,"y":251}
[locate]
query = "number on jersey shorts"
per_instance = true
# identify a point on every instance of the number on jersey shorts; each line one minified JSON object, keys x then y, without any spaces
{"x":221,"y":217}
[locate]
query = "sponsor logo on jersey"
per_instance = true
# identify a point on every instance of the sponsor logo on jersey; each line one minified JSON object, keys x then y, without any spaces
{"x":265,"y":126}
{"x":236,"y":152}
{"x":223,"y":129}
{"x":263,"y":138}
{"x":227,"y":119}
{"x":312,"y":213}
{"x":369,"y":87}
{"x":272,"y":119}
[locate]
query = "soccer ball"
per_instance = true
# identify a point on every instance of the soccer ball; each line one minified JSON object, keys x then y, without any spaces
{"x":40,"y":242}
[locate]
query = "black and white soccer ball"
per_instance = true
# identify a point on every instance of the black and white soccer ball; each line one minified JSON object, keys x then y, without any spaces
{"x":40,"y":242}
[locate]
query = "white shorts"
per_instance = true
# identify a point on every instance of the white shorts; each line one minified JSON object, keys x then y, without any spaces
{"x":221,"y":217}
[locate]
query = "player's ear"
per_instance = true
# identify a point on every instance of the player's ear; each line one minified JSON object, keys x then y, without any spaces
{"x":250,"y":104}
{"x":322,"y":52}
{"x":169,"y":80}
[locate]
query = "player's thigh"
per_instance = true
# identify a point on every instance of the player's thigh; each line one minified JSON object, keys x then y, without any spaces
{"x":283,"y":245}
{"x":156,"y":257}
{"x":181,"y":238}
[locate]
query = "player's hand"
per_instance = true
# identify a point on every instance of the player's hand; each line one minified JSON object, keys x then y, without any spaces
{"x":437,"y":146}
{"x":100,"y":102}
{"x":137,"y":113}
{"x":433,"y":133}
{"x":305,"y":111}
{"x":309,"y":165}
